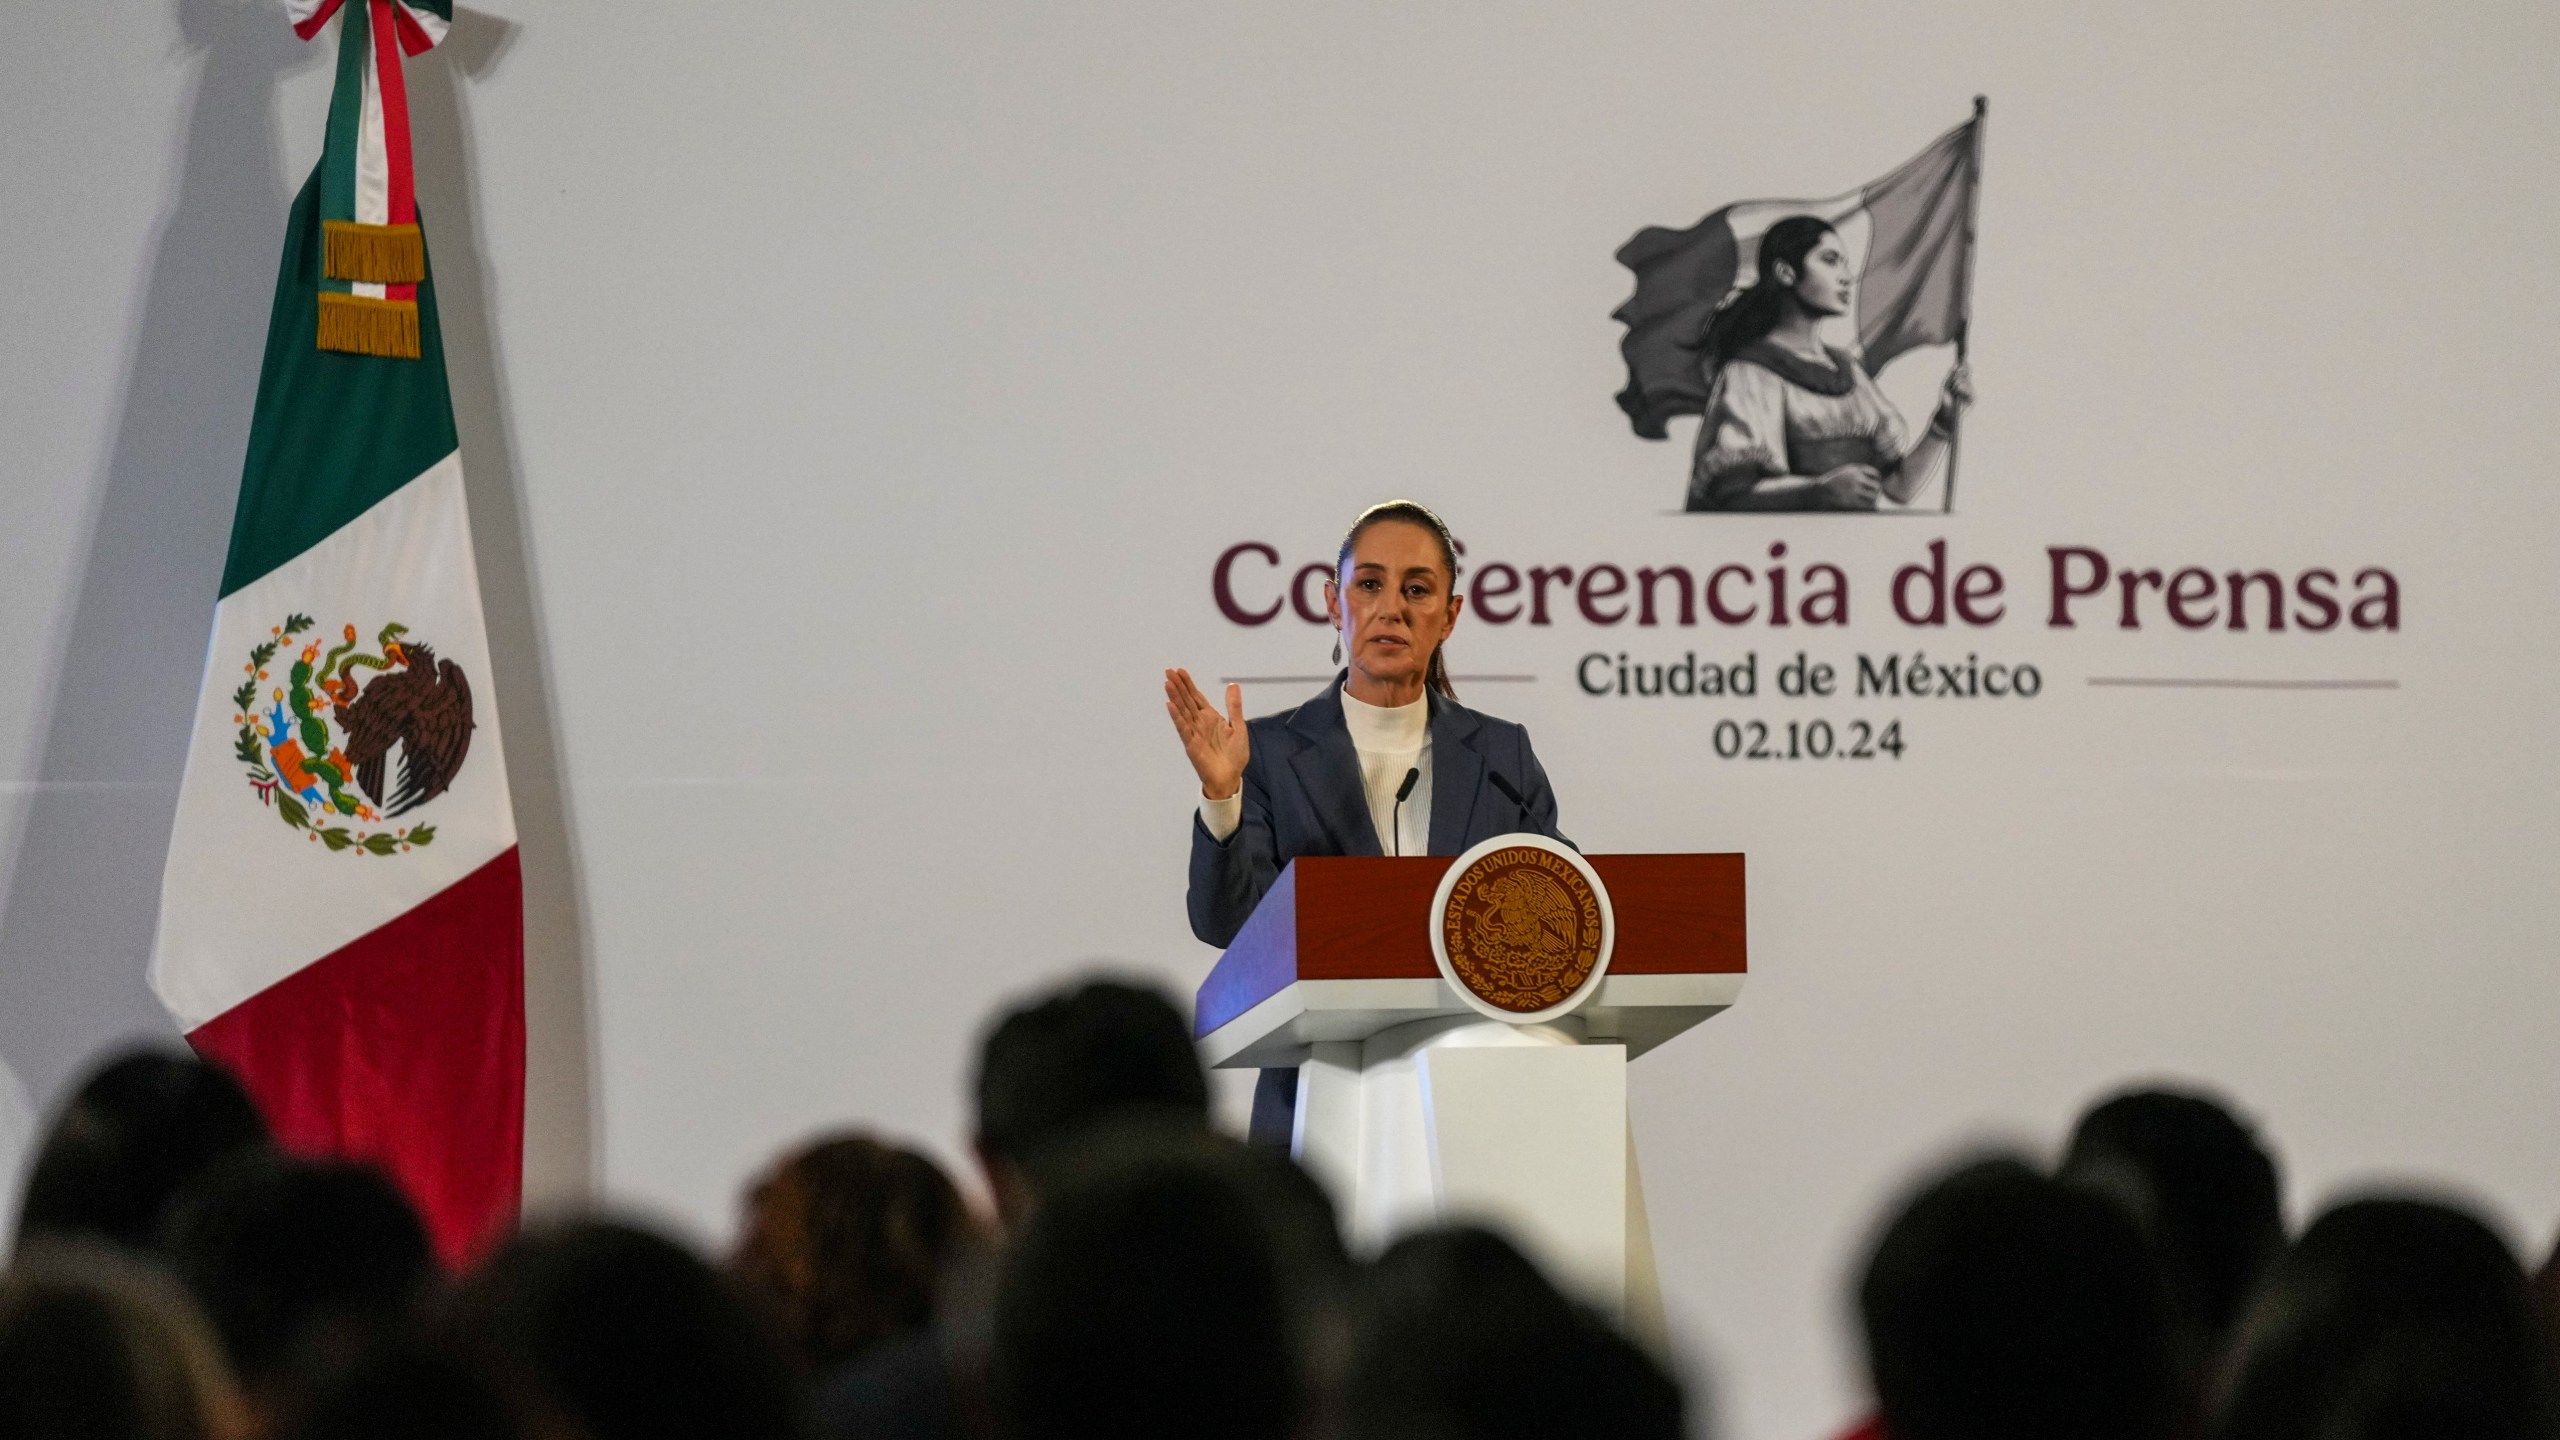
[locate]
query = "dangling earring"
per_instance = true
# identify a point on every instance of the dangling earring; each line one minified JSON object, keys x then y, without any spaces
{"x":1337,"y":649}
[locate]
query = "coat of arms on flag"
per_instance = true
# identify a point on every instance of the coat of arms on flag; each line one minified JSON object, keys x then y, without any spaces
{"x":413,"y":713}
{"x":345,"y":931}
{"x":1772,"y":319}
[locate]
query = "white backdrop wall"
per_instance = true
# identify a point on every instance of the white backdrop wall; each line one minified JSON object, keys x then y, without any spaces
{"x":855,"y":399}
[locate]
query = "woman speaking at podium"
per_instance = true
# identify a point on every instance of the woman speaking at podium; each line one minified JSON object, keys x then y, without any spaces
{"x":1384,"y":761}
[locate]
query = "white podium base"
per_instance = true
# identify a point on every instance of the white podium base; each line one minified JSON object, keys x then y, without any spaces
{"x":1520,"y":1127}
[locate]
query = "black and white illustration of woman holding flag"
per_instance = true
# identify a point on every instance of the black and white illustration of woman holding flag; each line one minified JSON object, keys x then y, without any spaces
{"x":1790,"y":419}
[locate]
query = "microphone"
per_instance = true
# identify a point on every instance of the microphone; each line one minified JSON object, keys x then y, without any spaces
{"x":1395,"y":821}
{"x":1508,"y":793}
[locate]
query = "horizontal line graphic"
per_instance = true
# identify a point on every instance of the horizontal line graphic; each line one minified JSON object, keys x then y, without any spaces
{"x":2201,"y":682}
{"x":1326,"y":679}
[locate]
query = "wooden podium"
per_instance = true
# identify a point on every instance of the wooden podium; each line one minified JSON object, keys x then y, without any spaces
{"x":1416,"y":1105}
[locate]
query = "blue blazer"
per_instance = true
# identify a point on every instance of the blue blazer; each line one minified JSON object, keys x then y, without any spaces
{"x":1302,"y":796}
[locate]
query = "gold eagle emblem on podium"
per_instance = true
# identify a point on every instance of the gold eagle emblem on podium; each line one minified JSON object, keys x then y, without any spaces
{"x":1522,"y":928}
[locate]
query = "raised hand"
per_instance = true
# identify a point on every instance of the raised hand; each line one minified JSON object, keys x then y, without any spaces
{"x":1217,"y":744}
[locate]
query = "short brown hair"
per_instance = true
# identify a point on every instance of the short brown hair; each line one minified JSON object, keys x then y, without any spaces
{"x":845,"y":1244}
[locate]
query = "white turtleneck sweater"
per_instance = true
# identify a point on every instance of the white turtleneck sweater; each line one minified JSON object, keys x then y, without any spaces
{"x":1389,"y":740}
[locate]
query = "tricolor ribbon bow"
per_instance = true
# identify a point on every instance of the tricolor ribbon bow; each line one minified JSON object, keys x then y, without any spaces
{"x":372,"y":255}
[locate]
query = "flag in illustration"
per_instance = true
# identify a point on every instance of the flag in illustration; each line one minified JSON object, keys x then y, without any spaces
{"x":1909,"y":239}
{"x":341,"y":917}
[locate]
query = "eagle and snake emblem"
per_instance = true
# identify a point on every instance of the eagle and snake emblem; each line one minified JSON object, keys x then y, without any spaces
{"x":353,"y":740}
{"x":1522,"y":930}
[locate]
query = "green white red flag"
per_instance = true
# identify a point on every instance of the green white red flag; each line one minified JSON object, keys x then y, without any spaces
{"x":341,"y":917}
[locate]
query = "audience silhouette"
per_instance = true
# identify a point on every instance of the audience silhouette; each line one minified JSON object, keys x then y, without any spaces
{"x":2393,"y":1317}
{"x":1137,"y":1274}
{"x":2001,"y":1304}
{"x":134,"y":1133}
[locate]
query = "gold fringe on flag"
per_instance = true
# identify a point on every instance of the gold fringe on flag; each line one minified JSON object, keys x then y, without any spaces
{"x":376,"y":254}
{"x":362,"y":325}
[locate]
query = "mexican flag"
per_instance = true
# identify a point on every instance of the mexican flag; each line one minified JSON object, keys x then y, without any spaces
{"x":341,"y":917}
{"x":1909,"y":237}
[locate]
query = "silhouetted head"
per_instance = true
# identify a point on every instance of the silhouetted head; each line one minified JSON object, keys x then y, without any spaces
{"x":2002,"y":1305}
{"x":2546,"y":1289}
{"x":2392,"y":1317}
{"x":1070,"y":1057}
{"x":95,"y":1344}
{"x":617,"y":1334}
{"x":1170,"y":1283}
{"x":130,"y":1137}
{"x":406,"y":1391}
{"x":845,"y":1245}
{"x":1459,"y":1335}
{"x":2202,"y":1190}
{"x":300,"y":1265}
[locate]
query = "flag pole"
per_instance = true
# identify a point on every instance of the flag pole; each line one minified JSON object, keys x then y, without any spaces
{"x":1964,"y":330}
